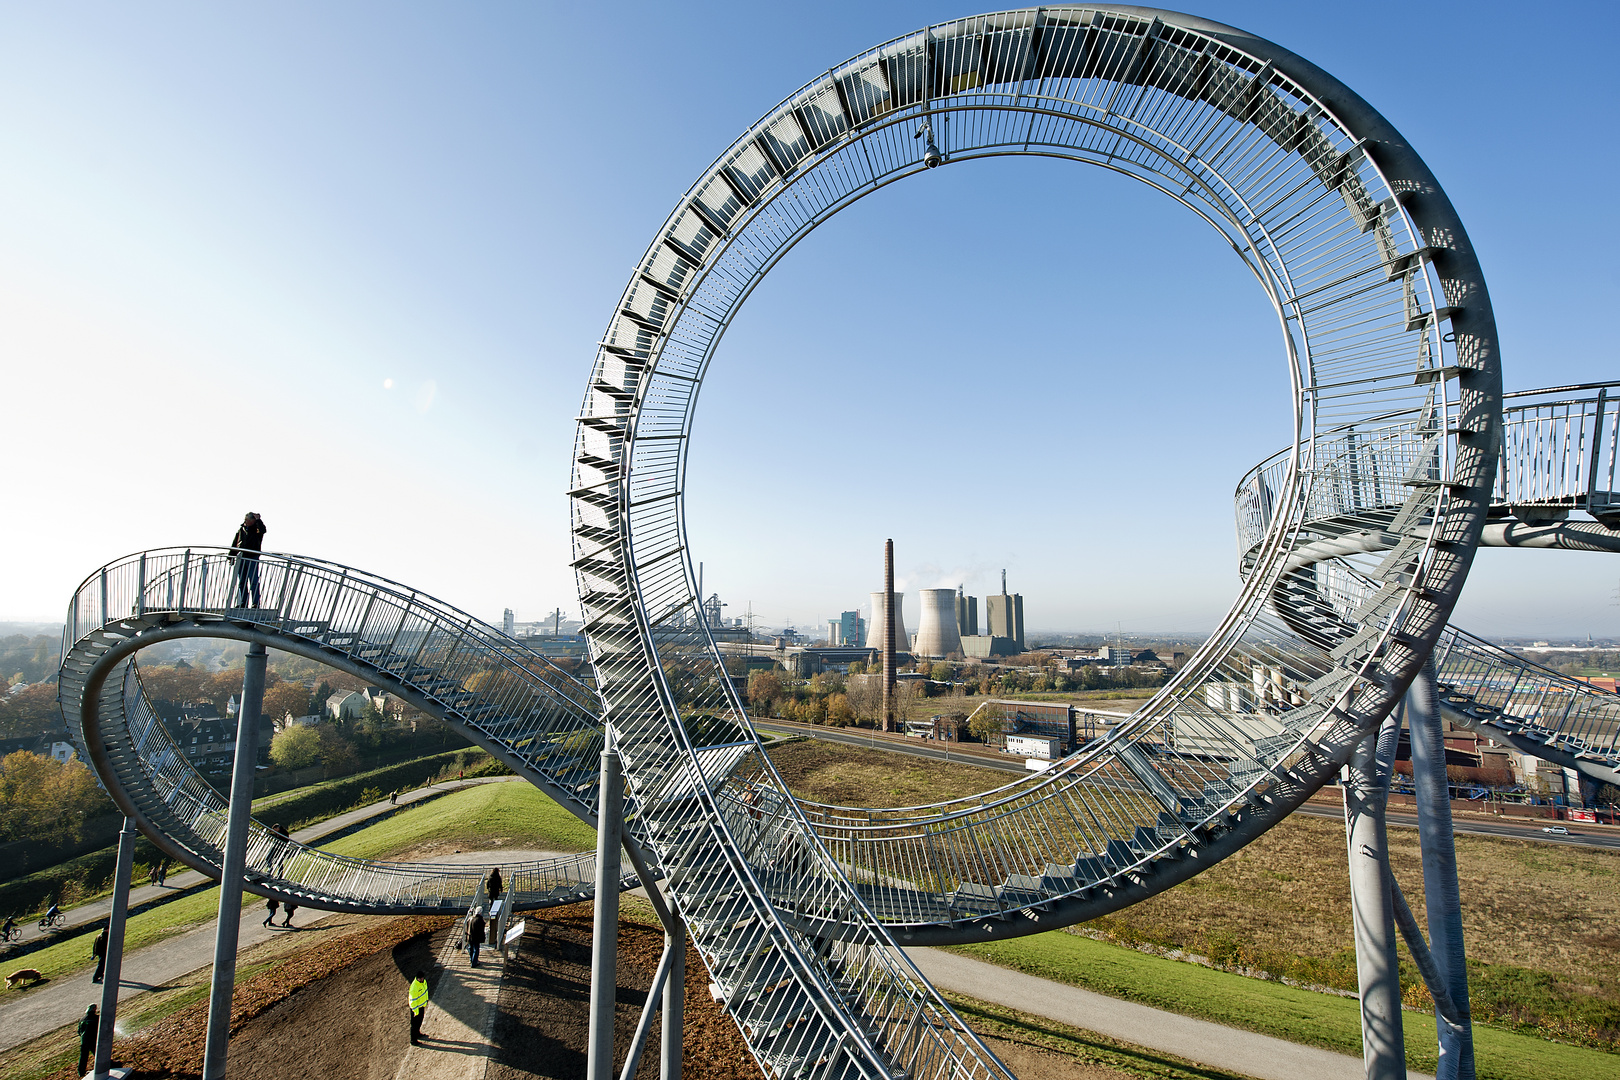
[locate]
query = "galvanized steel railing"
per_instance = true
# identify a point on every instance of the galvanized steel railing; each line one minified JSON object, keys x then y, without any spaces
{"x":539,"y":718}
{"x":1310,"y":189}
{"x":1560,"y":454}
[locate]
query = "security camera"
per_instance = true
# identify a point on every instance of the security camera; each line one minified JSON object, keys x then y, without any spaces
{"x":931,"y":156}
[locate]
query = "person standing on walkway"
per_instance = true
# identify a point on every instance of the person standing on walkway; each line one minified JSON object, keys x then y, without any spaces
{"x":98,"y":949}
{"x":245,"y":547}
{"x":89,"y":1027}
{"x":291,"y":907}
{"x":276,"y":861}
{"x":475,"y":934}
{"x":271,"y":905}
{"x":494,"y":887}
{"x":419,"y":1004}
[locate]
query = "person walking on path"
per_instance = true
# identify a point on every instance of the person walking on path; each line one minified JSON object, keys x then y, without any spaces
{"x":393,"y":797}
{"x":291,"y":907}
{"x":160,"y":872}
{"x":245,"y":547}
{"x":89,"y":1026}
{"x":98,"y":949}
{"x":271,"y":905}
{"x":419,"y":1004}
{"x":475,"y":934}
{"x":494,"y":887}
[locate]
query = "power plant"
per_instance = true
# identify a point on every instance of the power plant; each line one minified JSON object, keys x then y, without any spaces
{"x":1006,"y":614}
{"x":874,"y":635}
{"x":967,"y":613}
{"x":937,"y":634}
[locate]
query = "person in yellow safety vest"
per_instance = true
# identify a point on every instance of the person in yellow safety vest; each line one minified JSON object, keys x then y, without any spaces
{"x":419,"y":1003}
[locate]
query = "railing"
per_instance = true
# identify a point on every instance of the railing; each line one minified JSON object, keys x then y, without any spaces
{"x":1561,"y":453}
{"x":193,"y":813}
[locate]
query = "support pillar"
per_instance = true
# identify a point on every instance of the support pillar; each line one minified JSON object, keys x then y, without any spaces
{"x":1378,"y":972}
{"x":1440,"y":892}
{"x":605,"y":925}
{"x":233,"y":865}
{"x":888,"y":636}
{"x":669,"y":1058}
{"x":115,"y":950}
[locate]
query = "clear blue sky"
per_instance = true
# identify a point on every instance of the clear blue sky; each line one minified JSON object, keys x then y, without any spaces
{"x":222,"y":228}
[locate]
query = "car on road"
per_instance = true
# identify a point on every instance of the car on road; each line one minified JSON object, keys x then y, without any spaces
{"x":1556,"y":830}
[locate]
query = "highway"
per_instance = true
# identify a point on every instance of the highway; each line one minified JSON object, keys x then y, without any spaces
{"x":1596,"y":836}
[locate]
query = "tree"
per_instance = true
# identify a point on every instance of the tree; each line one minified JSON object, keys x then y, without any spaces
{"x":986,"y":724}
{"x":839,"y":711}
{"x":296,"y":747}
{"x":286,"y":699}
{"x":45,"y":799}
{"x":942,"y":672}
{"x":337,"y":753}
{"x":30,"y":712}
{"x":765,"y":689}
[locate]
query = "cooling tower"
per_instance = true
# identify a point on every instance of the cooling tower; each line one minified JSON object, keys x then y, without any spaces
{"x":937,"y":634}
{"x":874,"y":636}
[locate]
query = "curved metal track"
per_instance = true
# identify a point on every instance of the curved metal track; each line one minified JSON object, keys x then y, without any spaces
{"x":1363,"y":260}
{"x":444,"y":662}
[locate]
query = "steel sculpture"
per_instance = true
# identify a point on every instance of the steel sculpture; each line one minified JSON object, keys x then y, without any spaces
{"x":1365,"y":263}
{"x":1353,"y":543}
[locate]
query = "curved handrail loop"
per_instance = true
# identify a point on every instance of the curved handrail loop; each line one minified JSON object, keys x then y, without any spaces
{"x":433,"y":656}
{"x":1364,"y":261}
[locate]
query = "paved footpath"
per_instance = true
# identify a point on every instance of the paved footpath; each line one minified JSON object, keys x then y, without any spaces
{"x":61,"y":1001}
{"x":98,"y":910}
{"x":460,"y":1017}
{"x":1238,"y":1051}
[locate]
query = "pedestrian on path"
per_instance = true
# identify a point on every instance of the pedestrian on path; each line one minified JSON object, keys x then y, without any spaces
{"x":271,"y":905}
{"x":98,"y":949}
{"x":475,"y":934}
{"x":494,"y":887}
{"x":393,"y":797}
{"x":160,"y":872}
{"x":291,"y":907}
{"x":276,"y":861}
{"x":245,"y":546}
{"x":419,"y":1004}
{"x":89,"y":1027}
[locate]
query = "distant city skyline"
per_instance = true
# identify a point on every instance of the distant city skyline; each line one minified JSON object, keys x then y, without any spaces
{"x":346,"y":267}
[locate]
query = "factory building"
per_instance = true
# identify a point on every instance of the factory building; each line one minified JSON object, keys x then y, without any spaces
{"x":967,"y":614}
{"x":1005,"y":613}
{"x":937,"y":634}
{"x":848,"y":629}
{"x":874,"y":637}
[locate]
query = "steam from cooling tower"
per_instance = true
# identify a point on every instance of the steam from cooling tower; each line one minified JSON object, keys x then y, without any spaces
{"x":874,"y":630}
{"x":937,"y":632}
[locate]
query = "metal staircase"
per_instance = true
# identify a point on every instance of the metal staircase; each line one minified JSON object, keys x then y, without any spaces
{"x":433,"y":656}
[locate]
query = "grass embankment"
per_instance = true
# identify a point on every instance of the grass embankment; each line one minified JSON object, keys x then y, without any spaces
{"x":486,"y":816}
{"x":1542,"y":921}
{"x":860,"y":776}
{"x":1274,"y":1009}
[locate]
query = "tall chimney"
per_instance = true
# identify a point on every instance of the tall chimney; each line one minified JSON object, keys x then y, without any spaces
{"x":888,"y":635}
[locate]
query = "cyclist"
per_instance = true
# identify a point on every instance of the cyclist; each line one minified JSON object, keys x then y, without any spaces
{"x":53,"y":915}
{"x":9,"y":930}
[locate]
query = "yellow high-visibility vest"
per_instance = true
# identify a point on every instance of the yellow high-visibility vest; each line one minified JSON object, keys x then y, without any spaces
{"x":419,"y":994}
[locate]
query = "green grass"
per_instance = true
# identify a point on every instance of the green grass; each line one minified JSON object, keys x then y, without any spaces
{"x":1274,"y":1009}
{"x":515,"y":813}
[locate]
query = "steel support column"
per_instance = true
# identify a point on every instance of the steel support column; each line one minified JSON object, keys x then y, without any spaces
{"x":669,"y":1067}
{"x":113,"y":974}
{"x":234,"y":865}
{"x":1378,"y":971}
{"x":605,"y":926}
{"x":1440,"y":892}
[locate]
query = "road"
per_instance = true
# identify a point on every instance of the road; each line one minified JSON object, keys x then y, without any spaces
{"x":1605,"y":837}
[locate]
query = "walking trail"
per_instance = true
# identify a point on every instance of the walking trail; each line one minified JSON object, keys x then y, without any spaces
{"x":460,"y":1016}
{"x":28,"y":1015}
{"x":1200,"y":1041}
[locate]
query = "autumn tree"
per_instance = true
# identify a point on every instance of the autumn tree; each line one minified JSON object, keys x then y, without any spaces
{"x":765,"y":689}
{"x":286,"y":699}
{"x":42,"y":798}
